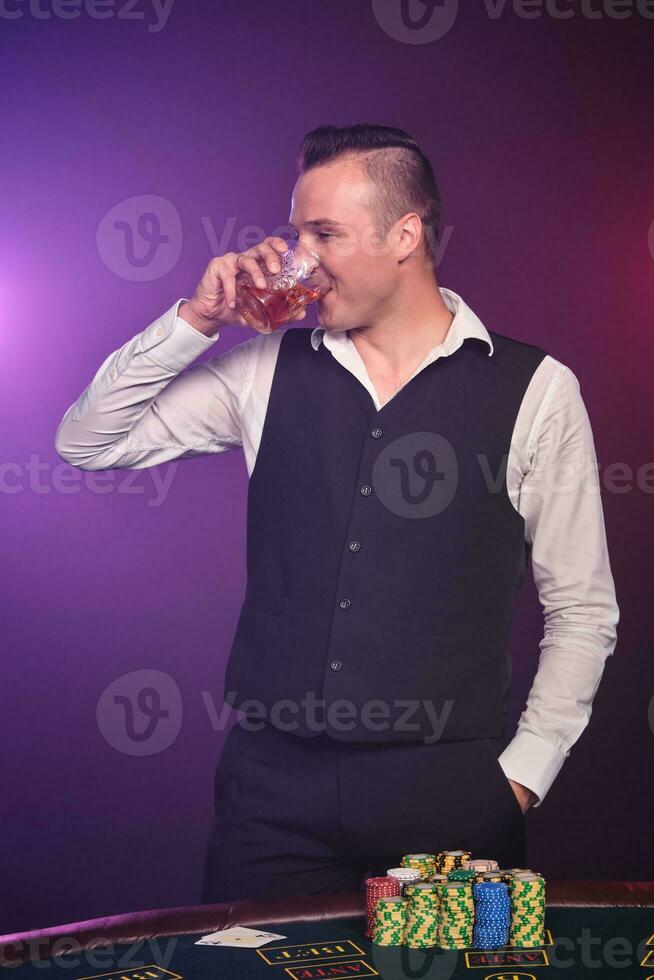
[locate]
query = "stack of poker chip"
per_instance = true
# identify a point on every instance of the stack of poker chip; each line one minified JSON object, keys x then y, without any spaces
{"x":492,"y":914}
{"x":390,"y":921}
{"x":507,"y":875}
{"x":527,"y":910}
{"x":377,"y":888}
{"x":405,"y":876}
{"x":424,"y":863}
{"x":462,"y":874}
{"x":449,"y":860}
{"x":480,"y":864}
{"x":423,"y":915}
{"x":438,"y":879}
{"x":409,"y":889}
{"x":492,"y":876}
{"x":457,"y":915}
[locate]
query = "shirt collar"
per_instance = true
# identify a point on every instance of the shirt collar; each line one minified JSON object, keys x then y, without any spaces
{"x":465,"y":324}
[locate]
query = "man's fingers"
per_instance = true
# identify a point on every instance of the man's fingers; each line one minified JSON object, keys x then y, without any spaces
{"x":280,"y":244}
{"x":222,"y":271}
{"x":270,"y":256}
{"x":215,"y":267}
{"x":247,"y":263}
{"x":229,"y":290}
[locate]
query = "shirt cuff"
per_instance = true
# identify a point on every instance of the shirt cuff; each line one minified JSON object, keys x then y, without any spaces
{"x":172,"y":342}
{"x":532,"y":761}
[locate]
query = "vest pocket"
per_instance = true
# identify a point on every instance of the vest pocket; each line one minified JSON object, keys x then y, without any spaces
{"x":267,"y":605}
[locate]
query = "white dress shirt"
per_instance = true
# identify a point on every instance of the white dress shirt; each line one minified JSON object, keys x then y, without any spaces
{"x":144,"y":408}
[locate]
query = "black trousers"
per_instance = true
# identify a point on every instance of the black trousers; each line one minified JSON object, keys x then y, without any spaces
{"x":298,"y":816}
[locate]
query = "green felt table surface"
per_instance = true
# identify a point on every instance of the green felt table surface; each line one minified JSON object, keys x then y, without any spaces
{"x":584,"y":942}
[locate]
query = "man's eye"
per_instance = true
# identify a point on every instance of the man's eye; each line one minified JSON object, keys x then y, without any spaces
{"x":325,"y":234}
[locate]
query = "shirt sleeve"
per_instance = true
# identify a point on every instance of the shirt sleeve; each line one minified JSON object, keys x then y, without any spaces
{"x":560,"y":501}
{"x":146,"y":406}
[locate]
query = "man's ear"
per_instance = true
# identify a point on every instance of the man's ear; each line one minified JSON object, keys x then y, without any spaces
{"x":409,"y":235}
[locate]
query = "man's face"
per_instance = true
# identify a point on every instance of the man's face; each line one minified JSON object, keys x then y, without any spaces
{"x":362,"y":267}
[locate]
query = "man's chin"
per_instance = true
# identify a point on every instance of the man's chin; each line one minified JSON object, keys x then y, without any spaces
{"x":325,"y":312}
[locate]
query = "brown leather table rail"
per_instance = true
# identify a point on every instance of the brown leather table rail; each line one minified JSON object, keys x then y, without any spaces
{"x":135,"y":926}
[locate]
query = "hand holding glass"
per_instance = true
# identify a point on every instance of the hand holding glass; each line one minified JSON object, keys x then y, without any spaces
{"x":301,"y":280}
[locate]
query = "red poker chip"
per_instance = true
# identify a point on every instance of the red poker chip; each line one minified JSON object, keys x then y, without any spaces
{"x":378,"y":888}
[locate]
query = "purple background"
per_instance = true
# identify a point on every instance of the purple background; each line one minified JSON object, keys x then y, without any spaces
{"x":540,"y":134}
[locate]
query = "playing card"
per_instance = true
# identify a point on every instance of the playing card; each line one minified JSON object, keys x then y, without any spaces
{"x":239,"y":936}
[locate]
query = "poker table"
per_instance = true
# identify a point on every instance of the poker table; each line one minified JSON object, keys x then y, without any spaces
{"x":592,"y":929}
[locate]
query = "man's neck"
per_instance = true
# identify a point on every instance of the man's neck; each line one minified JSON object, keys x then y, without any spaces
{"x":399,"y":341}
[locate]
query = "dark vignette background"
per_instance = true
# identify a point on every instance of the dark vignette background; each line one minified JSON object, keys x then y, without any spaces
{"x":540,"y":130}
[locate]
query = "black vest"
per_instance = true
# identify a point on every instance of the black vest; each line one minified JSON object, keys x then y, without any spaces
{"x":383,"y":552}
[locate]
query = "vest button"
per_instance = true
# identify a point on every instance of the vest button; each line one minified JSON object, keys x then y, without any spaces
{"x":377,"y":433}
{"x":336,"y":665}
{"x":366,"y":490}
{"x":345,"y":603}
{"x":354,"y":546}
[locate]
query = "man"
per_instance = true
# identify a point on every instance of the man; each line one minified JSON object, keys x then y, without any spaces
{"x":408,"y":462}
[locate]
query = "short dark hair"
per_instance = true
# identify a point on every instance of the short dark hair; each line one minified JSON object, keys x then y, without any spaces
{"x":400,"y":173}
